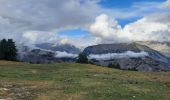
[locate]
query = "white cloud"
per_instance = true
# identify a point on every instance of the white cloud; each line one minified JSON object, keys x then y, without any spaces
{"x":128,"y":54}
{"x":166,"y":4}
{"x":146,"y":29}
{"x":46,"y":15}
{"x":149,"y":28}
{"x":39,"y":37}
{"x":37,"y":21}
{"x":105,"y":27}
{"x":83,"y":41}
{"x":65,"y":55}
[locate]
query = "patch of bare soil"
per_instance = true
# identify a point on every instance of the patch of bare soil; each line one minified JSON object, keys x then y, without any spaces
{"x":20,"y":91}
{"x":17,"y":92}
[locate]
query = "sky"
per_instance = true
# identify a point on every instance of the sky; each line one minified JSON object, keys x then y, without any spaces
{"x":84,"y":22}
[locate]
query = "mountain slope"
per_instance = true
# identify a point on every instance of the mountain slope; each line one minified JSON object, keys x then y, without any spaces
{"x":128,"y":55}
{"x":162,"y":47}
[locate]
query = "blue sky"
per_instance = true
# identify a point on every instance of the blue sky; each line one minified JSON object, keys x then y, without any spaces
{"x":118,"y":5}
{"x":74,"y":32}
{"x":123,"y":3}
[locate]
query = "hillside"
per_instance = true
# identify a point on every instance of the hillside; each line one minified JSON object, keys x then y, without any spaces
{"x":128,"y":56}
{"x":71,"y":81}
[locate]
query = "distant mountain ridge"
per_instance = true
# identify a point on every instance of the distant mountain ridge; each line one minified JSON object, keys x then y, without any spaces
{"x":59,"y":47}
{"x":162,"y":47}
{"x":143,"y":56}
{"x":48,"y":53}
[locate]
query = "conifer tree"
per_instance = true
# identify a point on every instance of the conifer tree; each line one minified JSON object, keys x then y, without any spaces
{"x":3,"y":46}
{"x":8,"y":50}
{"x":82,"y":58}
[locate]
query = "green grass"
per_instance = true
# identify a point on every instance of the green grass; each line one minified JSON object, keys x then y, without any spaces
{"x":71,"y":81}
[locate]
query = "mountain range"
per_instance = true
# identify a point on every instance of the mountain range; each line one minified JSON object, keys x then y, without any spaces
{"x":47,"y":53}
{"x":141,"y":55}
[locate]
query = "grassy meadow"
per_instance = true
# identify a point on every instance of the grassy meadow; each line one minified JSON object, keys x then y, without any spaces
{"x":71,"y":81}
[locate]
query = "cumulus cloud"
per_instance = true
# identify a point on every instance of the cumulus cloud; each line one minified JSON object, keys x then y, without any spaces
{"x":149,"y":28}
{"x":37,"y":21}
{"x":146,"y":29}
{"x":45,"y":15}
{"x":128,"y":54}
{"x":105,"y":27}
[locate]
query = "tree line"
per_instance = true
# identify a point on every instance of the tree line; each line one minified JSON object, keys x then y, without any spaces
{"x":8,"y":50}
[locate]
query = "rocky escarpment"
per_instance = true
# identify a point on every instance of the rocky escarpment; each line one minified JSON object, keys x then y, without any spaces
{"x":128,"y":55}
